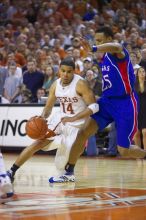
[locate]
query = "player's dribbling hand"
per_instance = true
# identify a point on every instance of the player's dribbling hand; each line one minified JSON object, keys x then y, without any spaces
{"x":67,"y":119}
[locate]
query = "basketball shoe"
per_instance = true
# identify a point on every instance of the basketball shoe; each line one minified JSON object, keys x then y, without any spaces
{"x":65,"y":178}
{"x":6,"y":188}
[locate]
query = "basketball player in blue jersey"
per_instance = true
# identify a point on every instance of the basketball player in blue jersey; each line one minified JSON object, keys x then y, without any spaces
{"x":118,"y":102}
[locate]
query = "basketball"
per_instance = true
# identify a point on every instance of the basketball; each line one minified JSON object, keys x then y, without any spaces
{"x":36,"y":127}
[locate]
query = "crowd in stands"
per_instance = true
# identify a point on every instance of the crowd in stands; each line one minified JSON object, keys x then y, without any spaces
{"x":35,"y":35}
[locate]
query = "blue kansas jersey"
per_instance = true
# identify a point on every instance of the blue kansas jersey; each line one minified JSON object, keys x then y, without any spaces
{"x":118,"y":75}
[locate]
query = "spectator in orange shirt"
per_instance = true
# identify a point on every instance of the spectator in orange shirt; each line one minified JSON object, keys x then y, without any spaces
{"x":65,"y":10}
{"x":18,"y":57}
{"x":57,"y":48}
{"x":76,"y":43}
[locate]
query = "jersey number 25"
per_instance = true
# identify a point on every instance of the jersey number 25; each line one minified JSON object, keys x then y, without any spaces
{"x":106,"y":83}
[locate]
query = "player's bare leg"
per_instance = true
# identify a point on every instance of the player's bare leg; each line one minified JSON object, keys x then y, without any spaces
{"x":77,"y":149}
{"x":132,"y":152}
{"x":26,"y":154}
{"x":137,"y":138}
{"x":29,"y":151}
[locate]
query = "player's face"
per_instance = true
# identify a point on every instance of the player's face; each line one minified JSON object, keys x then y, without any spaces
{"x":100,"y":38}
{"x":66,"y":74}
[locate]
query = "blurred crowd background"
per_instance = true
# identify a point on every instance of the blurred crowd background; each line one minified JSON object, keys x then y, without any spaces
{"x":35,"y":35}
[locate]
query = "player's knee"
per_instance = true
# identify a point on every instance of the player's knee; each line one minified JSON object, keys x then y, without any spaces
{"x":37,"y":145}
{"x":123,"y":151}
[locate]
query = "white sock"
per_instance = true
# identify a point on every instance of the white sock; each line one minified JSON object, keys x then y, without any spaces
{"x":2,"y":165}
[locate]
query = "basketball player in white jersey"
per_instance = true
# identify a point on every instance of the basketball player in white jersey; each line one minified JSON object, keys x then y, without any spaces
{"x":6,"y":188}
{"x":74,"y":96}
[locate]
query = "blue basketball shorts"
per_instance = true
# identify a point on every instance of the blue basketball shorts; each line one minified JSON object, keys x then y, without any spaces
{"x":122,"y":110}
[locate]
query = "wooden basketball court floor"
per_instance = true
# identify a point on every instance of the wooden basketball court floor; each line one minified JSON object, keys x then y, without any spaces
{"x":105,"y":189}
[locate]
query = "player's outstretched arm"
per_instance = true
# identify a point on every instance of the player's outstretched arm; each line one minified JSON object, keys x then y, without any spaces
{"x":112,"y":47}
{"x":50,"y":101}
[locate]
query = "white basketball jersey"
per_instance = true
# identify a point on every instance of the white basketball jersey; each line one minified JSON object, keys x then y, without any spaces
{"x":70,"y":102}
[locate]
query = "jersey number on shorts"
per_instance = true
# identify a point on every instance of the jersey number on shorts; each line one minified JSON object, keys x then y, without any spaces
{"x":67,"y":108}
{"x":106,"y":83}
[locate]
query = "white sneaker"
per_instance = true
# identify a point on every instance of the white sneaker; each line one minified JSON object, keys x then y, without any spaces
{"x":6,"y":188}
{"x":62,"y":179}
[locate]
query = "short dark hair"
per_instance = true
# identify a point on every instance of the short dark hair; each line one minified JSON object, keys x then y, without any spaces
{"x":106,"y":30}
{"x":68,"y":61}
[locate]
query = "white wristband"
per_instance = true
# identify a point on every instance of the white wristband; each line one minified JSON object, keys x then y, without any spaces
{"x":94,"y":107}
